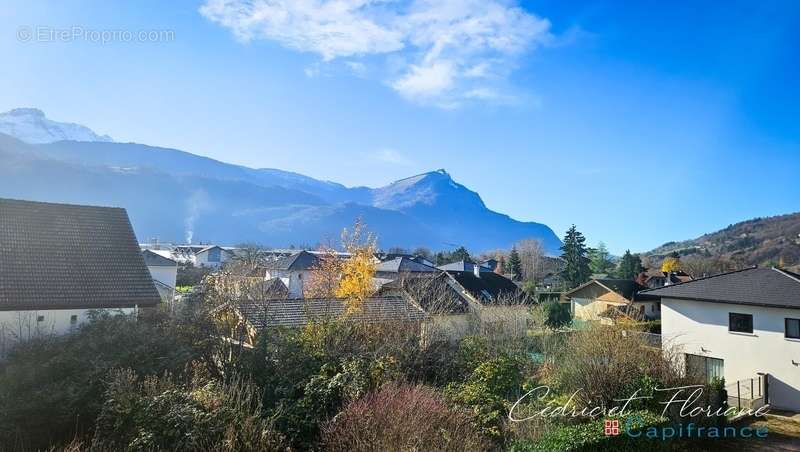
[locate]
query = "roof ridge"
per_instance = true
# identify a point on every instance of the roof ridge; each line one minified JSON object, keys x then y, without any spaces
{"x":61,"y":203}
{"x":787,"y":274}
{"x":754,"y":267}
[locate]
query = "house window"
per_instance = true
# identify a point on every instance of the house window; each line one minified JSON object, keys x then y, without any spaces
{"x":793,"y":328}
{"x":658,"y":305}
{"x":704,"y":368}
{"x":73,"y":319}
{"x":740,"y":323}
{"x":40,"y":318}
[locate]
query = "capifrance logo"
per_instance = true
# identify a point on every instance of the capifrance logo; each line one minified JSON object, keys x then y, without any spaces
{"x":686,"y":430}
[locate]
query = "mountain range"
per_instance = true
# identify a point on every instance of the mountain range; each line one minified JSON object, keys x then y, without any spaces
{"x":177,"y":196}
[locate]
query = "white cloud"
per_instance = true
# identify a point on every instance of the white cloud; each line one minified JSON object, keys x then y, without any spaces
{"x":338,"y":28}
{"x":426,"y":82}
{"x":451,"y":49}
{"x":391,"y":156}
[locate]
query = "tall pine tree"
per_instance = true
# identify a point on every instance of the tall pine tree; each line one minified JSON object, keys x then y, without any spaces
{"x":600,"y":259}
{"x":574,"y":253}
{"x":514,"y":264}
{"x":629,"y":266}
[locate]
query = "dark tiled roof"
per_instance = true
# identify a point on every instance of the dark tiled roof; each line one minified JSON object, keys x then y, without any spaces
{"x":403,"y":264}
{"x":297,"y":312}
{"x":752,"y":286}
{"x":211,"y":247}
{"x":490,"y":287}
{"x":628,"y":288}
{"x":273,"y":289}
{"x":61,"y":256}
{"x":435,"y":293}
{"x":302,"y":260}
{"x":152,"y":259}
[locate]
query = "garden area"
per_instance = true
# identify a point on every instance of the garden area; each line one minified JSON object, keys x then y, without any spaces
{"x":167,"y":382}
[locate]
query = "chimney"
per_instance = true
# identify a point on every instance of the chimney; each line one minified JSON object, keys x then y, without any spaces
{"x":476,"y":268}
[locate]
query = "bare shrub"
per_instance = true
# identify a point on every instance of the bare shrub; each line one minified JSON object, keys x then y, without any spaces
{"x":156,"y":413}
{"x":608,"y":362}
{"x":402,"y":417}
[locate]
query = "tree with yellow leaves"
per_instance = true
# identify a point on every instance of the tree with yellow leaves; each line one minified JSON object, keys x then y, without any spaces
{"x":358,"y":270}
{"x":671,"y":263}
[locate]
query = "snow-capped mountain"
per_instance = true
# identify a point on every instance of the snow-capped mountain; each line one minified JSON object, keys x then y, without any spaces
{"x":32,"y":126}
{"x":172,"y":194}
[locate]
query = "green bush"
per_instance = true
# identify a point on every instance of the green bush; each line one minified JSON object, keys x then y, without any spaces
{"x":308,"y":375}
{"x":487,"y":392}
{"x":52,"y":388}
{"x":556,"y":314}
{"x":590,"y":436}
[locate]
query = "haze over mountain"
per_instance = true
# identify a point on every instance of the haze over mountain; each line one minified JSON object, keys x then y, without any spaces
{"x":175,"y":196}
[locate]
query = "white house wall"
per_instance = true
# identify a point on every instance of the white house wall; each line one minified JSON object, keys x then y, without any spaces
{"x":164,"y":274}
{"x":293,"y":279}
{"x":701,"y":328}
{"x":19,"y":326}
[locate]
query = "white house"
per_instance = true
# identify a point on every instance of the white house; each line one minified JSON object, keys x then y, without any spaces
{"x":59,"y":262}
{"x":293,"y":270}
{"x":212,"y":256}
{"x":737,"y":325}
{"x":164,"y":272}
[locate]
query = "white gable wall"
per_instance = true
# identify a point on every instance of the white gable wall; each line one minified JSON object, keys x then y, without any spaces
{"x":164,"y":274}
{"x":20,"y":326}
{"x":701,"y":328}
{"x":293,"y":279}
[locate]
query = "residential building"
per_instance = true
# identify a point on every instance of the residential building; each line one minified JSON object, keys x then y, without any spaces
{"x":164,"y":272}
{"x":490,"y":264}
{"x":608,"y":299}
{"x":212,"y":256}
{"x":662,"y":279}
{"x":293,"y":270}
{"x":441,"y":297}
{"x":383,"y":257}
{"x":463,"y":266}
{"x":460,"y":302}
{"x":399,"y":267}
{"x":60,"y":261}
{"x":501,"y":306}
{"x":743,"y":326}
{"x":248,"y":319}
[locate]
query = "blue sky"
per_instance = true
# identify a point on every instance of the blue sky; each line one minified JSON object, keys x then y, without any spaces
{"x":640,"y":122}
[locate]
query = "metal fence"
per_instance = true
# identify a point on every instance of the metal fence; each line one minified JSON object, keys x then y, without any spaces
{"x":652,"y":339}
{"x":749,"y":393}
